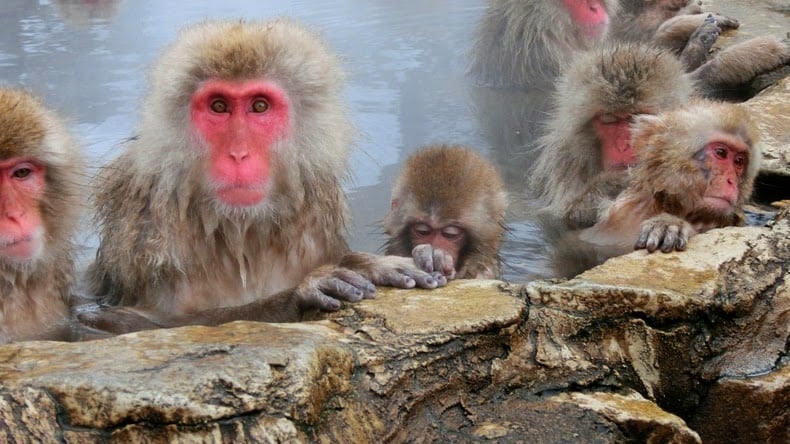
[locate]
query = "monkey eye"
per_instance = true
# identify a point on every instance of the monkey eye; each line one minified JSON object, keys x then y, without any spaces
{"x":22,"y":172}
{"x":608,"y":119}
{"x":260,"y":106}
{"x":740,"y":160}
{"x":422,"y":229}
{"x":721,"y":152}
{"x":219,"y":106}
{"x":452,"y":232}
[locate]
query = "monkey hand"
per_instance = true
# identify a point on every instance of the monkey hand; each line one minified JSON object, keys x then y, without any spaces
{"x":392,"y":271}
{"x":664,"y":231}
{"x":722,"y":21}
{"x":326,"y":286}
{"x":431,"y":259}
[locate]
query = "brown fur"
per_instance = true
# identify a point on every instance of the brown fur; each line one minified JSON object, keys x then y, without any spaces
{"x":36,"y":295}
{"x":568,"y":177}
{"x":638,"y":20}
{"x":668,"y":182}
{"x":451,"y":185}
{"x":164,"y":246}
{"x":733,"y":67}
{"x":521,"y":41}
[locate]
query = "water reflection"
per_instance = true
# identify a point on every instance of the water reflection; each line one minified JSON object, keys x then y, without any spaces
{"x":407,"y":87}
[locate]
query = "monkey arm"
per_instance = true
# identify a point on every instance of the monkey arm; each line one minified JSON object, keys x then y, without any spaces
{"x":586,"y":209}
{"x":664,"y":231}
{"x":740,"y":64}
{"x":678,"y":32}
{"x":699,"y":44}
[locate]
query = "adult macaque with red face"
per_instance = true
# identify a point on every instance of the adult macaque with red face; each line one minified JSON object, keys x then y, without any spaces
{"x":448,"y":213}
{"x":586,"y":151}
{"x":695,"y":170}
{"x":521,"y":42}
{"x":40,"y":204}
{"x":228,"y":205}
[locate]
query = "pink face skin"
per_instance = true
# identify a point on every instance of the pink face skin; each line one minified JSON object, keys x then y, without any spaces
{"x":240,"y":121}
{"x":22,"y":182}
{"x":450,"y":238}
{"x":614,"y":132}
{"x":726,"y":162}
{"x":589,"y":17}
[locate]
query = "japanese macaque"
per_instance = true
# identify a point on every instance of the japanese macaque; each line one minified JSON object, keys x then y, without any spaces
{"x":41,"y":200}
{"x":696,"y":168}
{"x":521,"y":41}
{"x":228,"y":203}
{"x":586,"y":151}
{"x":448,"y":213}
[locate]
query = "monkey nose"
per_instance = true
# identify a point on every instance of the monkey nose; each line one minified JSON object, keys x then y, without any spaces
{"x":239,"y":154}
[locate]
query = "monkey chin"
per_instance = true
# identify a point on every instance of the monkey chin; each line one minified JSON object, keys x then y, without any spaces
{"x":240,"y":197}
{"x":21,"y":251}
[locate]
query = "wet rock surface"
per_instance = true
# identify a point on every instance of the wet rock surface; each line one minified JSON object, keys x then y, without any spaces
{"x":680,"y":347}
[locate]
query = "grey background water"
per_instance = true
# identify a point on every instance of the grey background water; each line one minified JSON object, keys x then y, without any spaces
{"x":406,"y":86}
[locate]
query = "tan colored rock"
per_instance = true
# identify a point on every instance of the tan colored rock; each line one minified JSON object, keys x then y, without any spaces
{"x":756,"y":408}
{"x":602,"y":357}
{"x":643,"y":419}
{"x":771,"y":111}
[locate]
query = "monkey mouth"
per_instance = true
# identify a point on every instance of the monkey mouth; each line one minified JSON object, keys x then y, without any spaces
{"x":240,"y":195}
{"x":719,"y":202}
{"x":20,"y":248}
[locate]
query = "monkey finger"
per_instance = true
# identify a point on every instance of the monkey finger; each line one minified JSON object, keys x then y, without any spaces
{"x":312,"y":297}
{"x":423,"y":256}
{"x":441,"y":279}
{"x":443,"y":263}
{"x":394,"y":278}
{"x":357,"y":281}
{"x":685,"y":233}
{"x":422,"y":279}
{"x":340,"y":289}
{"x":644,"y":235}
{"x":654,"y":238}
{"x":670,"y":239}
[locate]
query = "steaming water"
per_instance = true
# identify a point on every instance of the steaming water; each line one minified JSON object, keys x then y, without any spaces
{"x":406,"y":85}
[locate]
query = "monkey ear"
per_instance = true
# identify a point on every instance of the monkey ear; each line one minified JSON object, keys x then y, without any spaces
{"x":395,"y":203}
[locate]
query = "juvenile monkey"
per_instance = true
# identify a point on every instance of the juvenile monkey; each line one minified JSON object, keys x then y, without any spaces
{"x":41,"y":192}
{"x":695,"y":170}
{"x":448,"y":213}
{"x":228,"y":203}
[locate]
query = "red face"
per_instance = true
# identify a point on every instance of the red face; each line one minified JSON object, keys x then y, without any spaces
{"x":240,"y":121}
{"x":614,"y":132}
{"x":724,"y":163}
{"x":22,"y":184}
{"x":450,"y":238}
{"x":589,"y":16}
